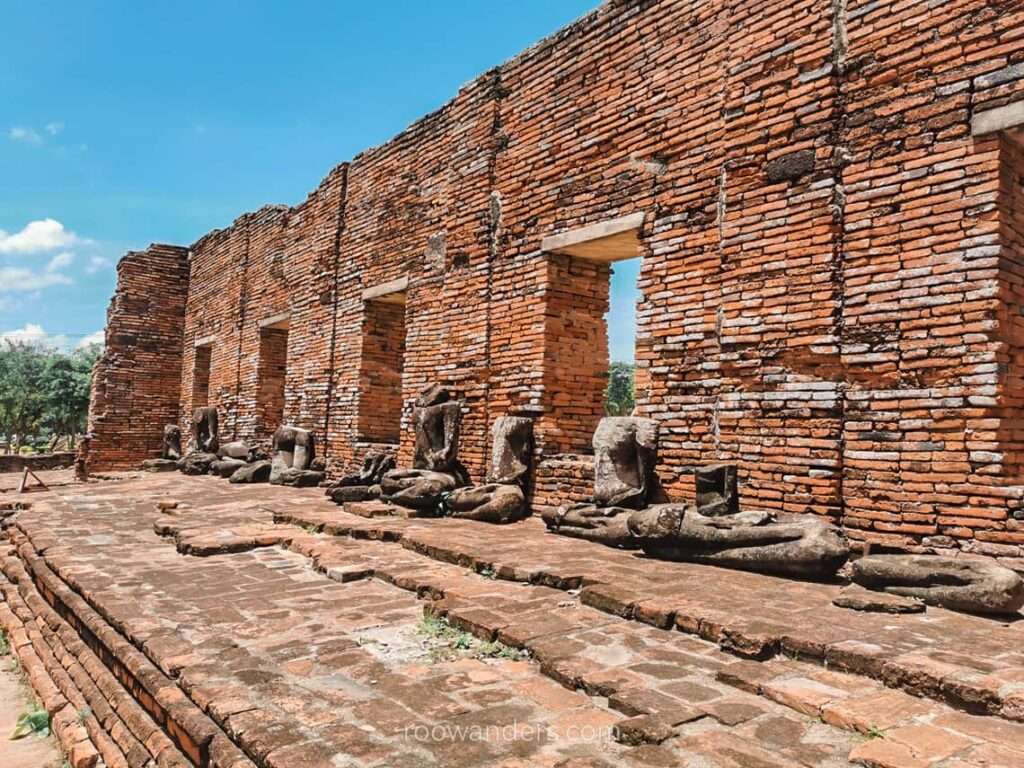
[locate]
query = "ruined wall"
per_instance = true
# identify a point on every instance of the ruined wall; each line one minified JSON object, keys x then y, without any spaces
{"x":133,"y":396}
{"x":831,"y":269}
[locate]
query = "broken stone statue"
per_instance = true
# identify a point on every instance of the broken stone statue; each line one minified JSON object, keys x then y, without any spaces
{"x":365,"y":484}
{"x":231,"y":457}
{"x":503,"y":498}
{"x":435,"y":467}
{"x":205,"y":434}
{"x":716,"y":532}
{"x":959,"y":584}
{"x":172,"y":442}
{"x":795,"y":545}
{"x":203,"y":444}
{"x":625,"y":452}
{"x":256,"y":472}
{"x":293,"y":456}
{"x":170,"y":451}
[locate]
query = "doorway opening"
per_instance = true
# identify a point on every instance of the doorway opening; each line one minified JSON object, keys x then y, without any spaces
{"x":590,"y":334}
{"x":272,"y":374}
{"x":381,"y":364}
{"x":201,"y":376}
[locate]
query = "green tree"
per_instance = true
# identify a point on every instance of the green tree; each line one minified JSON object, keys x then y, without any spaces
{"x":66,"y":391}
{"x":22,"y":402}
{"x":43,"y":391}
{"x":619,"y":397}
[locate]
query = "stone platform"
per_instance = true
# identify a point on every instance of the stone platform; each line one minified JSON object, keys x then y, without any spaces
{"x":267,"y":626}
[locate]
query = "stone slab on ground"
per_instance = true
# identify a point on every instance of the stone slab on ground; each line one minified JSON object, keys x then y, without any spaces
{"x":303,"y":646}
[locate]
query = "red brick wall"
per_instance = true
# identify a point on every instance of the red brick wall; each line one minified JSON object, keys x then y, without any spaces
{"x":830,"y":284}
{"x":133,"y":396}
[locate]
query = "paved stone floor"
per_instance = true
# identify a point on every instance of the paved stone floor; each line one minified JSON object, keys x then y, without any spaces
{"x":307,"y":641}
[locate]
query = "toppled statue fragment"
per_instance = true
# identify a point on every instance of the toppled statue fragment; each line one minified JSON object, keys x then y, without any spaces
{"x":794,"y":545}
{"x":239,"y":449}
{"x":365,"y":484}
{"x":293,"y":455}
{"x":625,"y":453}
{"x":502,"y":499}
{"x":716,"y":490}
{"x":256,"y":472}
{"x":226,"y":467}
{"x":856,"y":598}
{"x":960,"y":584}
{"x":197,"y":463}
{"x":205,"y":436}
{"x":170,"y":451}
{"x":171,"y":448}
{"x":435,"y":468}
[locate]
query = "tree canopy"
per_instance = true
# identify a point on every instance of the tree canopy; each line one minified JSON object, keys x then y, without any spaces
{"x":43,"y":392}
{"x":619,"y":398}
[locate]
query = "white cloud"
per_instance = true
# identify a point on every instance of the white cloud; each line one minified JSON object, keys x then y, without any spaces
{"x":35,"y":335}
{"x":96,"y":263}
{"x":20,"y":279}
{"x":42,"y":235}
{"x":99,"y":337}
{"x":24,"y":135}
{"x":54,"y":128}
{"x":60,"y":261}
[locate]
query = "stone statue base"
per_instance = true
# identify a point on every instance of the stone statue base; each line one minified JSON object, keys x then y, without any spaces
{"x":197,"y":463}
{"x":159,"y":465}
{"x":257,"y":472}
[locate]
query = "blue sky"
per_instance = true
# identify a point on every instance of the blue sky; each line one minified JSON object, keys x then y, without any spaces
{"x":123,"y":124}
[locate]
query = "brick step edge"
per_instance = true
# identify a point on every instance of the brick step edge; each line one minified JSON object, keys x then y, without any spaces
{"x":964,"y":689}
{"x":77,"y":736}
{"x":116,"y":726}
{"x":194,"y":734}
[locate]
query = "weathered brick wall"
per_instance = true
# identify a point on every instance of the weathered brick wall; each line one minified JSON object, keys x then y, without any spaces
{"x":134,"y":393}
{"x":831,"y":282}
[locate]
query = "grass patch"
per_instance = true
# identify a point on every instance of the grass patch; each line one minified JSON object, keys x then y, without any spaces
{"x":5,"y":644}
{"x":452,"y":642}
{"x":34,"y":721}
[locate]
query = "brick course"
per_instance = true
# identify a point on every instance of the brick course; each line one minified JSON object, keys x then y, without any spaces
{"x":831,"y":282}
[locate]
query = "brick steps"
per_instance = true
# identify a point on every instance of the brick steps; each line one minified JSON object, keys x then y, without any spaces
{"x":901,"y":729}
{"x":80,"y":740}
{"x":138,"y":715}
{"x":948,"y":681}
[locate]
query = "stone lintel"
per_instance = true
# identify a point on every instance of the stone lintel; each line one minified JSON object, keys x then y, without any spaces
{"x":205,"y":341}
{"x":277,"y":321}
{"x":612,"y":240}
{"x":392,"y":291}
{"x":1000,"y":119}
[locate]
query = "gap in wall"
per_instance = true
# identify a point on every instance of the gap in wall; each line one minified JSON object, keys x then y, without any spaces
{"x":381,"y":366}
{"x":201,"y":376}
{"x":272,"y":374}
{"x":621,"y":322}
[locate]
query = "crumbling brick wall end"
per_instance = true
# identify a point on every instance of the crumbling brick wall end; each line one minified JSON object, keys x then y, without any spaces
{"x":135,"y":383}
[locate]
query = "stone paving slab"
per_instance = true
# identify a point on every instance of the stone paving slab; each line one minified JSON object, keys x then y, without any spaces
{"x":288,"y":662}
{"x":973,"y":662}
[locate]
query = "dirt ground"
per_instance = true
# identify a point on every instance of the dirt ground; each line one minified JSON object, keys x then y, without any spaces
{"x":32,"y":751}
